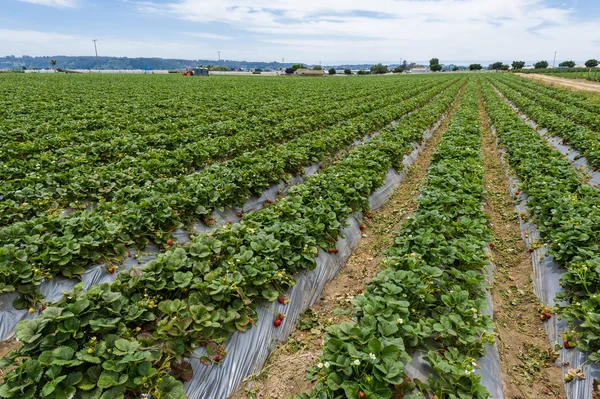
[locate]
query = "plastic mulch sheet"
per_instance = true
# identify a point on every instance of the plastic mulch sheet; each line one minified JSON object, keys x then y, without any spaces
{"x":247,"y":352}
{"x":546,"y":284}
{"x":572,"y":155}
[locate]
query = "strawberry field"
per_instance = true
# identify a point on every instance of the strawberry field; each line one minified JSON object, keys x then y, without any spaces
{"x":133,"y":193}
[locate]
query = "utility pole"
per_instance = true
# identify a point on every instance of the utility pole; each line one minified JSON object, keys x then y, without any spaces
{"x":96,"y":48}
{"x":219,"y":56}
{"x":554,"y":59}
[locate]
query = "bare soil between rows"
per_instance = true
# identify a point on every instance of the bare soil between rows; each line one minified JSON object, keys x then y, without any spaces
{"x":526,"y":358}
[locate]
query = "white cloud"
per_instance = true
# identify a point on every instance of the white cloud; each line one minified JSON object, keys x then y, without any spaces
{"x":337,"y":31}
{"x":53,"y":3}
{"x":37,"y":43}
{"x":344,"y":30}
{"x":207,"y":35}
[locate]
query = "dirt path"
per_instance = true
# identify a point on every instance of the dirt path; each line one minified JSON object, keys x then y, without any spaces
{"x":527,"y":361}
{"x":574,"y":84}
{"x":283,"y":375}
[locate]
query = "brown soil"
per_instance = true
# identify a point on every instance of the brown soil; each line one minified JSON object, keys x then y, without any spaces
{"x":574,"y":84}
{"x":283,"y":375}
{"x":527,"y":360}
{"x":5,"y":347}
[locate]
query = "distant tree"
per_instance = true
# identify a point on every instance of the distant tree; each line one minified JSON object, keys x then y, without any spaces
{"x":475,"y":67}
{"x":568,"y":64}
{"x":347,"y":71}
{"x":379,"y":69}
{"x":591,"y":63}
{"x":221,"y":68}
{"x":454,"y":68}
{"x":289,"y":71}
{"x":332,"y":71}
{"x":363,"y":72}
{"x":518,"y":64}
{"x":398,"y":69}
{"x":317,"y":68}
{"x":505,"y":67}
{"x":295,"y":67}
{"x":434,"y":65}
{"x":541,"y":65}
{"x":496,"y":65}
{"x":52,"y":62}
{"x":405,"y":65}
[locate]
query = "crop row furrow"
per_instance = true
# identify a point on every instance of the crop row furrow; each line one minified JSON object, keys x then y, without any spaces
{"x":54,"y":244}
{"x":51,"y":186}
{"x":554,"y":101}
{"x":579,"y":137}
{"x":580,"y":163}
{"x":566,"y":212}
{"x":431,"y":296}
{"x":129,"y":337}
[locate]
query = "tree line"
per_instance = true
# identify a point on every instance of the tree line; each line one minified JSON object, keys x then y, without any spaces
{"x":499,"y":66}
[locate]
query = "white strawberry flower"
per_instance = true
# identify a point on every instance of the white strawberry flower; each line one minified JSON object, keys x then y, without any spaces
{"x":399,"y":320}
{"x":357,"y":362}
{"x":372,"y":356}
{"x":320,"y":365}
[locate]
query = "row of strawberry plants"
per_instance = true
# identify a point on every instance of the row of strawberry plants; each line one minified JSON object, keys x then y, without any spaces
{"x":131,"y":336}
{"x":104,"y":146}
{"x":555,"y":102}
{"x":431,"y":295}
{"x":567,"y":214}
{"x":586,"y":141}
{"x":51,"y":185}
{"x":50,"y":245}
{"x":568,"y":97}
{"x":163,"y":110}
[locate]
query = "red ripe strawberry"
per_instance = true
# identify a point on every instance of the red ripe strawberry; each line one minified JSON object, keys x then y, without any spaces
{"x":331,"y":250}
{"x":518,"y":192}
{"x":281,"y":299}
{"x":361,"y":394}
{"x":337,"y":251}
{"x":547,"y":315}
{"x":492,"y":245}
{"x":362,"y":226}
{"x":280,"y":316}
{"x":566,"y":345}
{"x":277,"y":322}
{"x":169,"y":242}
{"x":542,"y":318}
{"x":218,"y":359}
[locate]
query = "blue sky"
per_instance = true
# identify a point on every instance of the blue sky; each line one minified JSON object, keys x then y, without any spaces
{"x":333,"y":31}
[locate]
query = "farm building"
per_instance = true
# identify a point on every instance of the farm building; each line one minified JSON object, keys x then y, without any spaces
{"x":309,"y":72}
{"x":418,"y":70}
